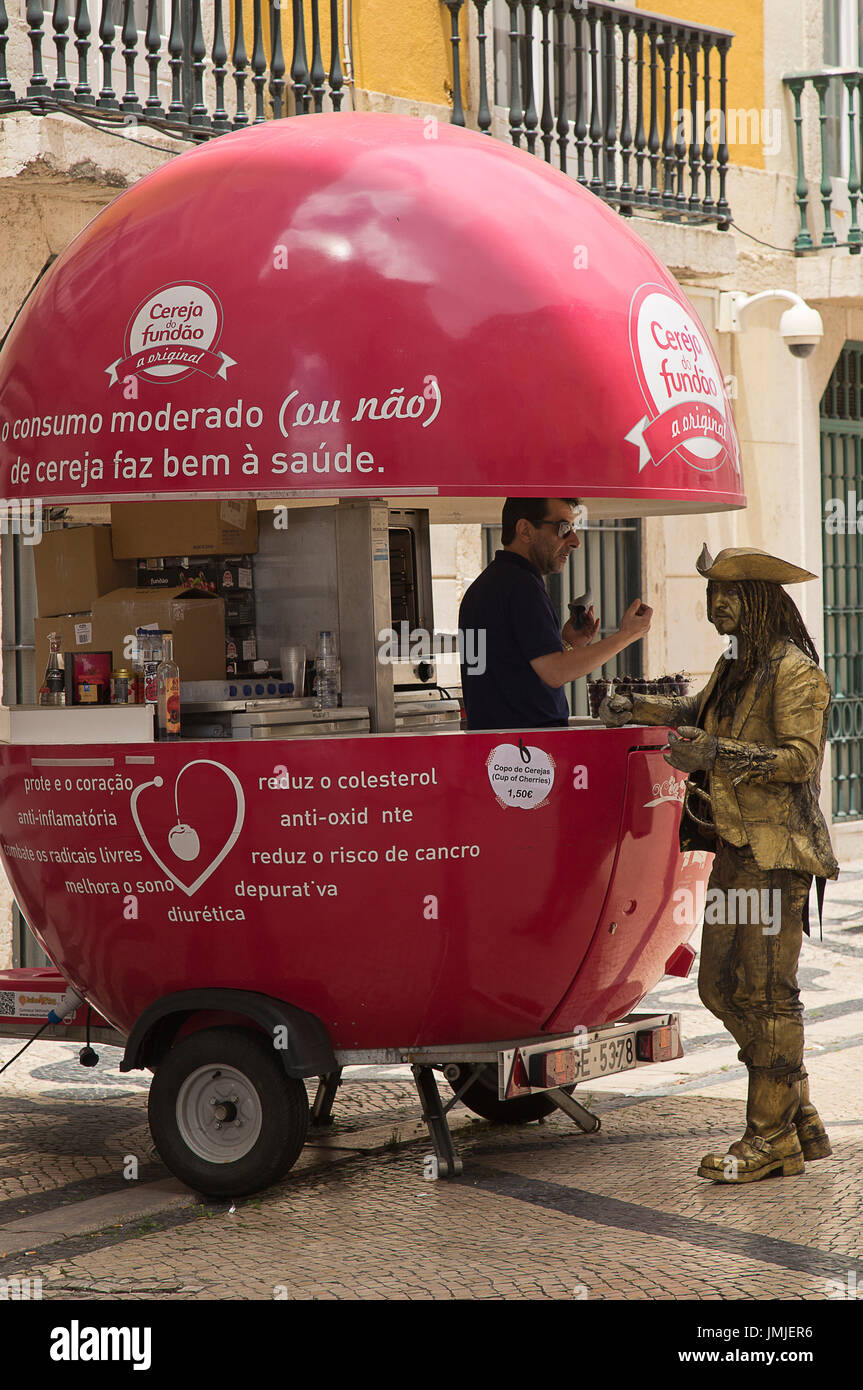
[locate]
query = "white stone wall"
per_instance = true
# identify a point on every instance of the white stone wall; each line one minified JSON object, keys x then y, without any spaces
{"x":456,"y":561}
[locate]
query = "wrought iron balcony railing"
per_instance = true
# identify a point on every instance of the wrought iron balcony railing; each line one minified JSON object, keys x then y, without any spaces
{"x":621,"y":98}
{"x":167,"y":62}
{"x":839,"y":94}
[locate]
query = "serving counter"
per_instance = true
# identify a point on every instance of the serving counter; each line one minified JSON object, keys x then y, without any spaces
{"x":76,"y":724}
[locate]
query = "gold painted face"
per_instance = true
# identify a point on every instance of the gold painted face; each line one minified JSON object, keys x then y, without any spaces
{"x":724,"y":608}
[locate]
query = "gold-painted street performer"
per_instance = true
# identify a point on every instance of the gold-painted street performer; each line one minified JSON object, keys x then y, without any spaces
{"x":753,"y":743}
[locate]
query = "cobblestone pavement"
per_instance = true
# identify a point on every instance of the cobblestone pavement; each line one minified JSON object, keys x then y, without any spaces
{"x":540,"y":1211}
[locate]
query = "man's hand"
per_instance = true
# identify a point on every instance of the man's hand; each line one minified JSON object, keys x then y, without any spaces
{"x":615,"y":711}
{"x":560,"y":667}
{"x":581,"y":636}
{"x":635,"y":622}
{"x":691,"y":750}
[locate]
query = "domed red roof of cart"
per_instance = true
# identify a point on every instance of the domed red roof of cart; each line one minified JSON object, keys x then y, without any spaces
{"x":363,"y":304}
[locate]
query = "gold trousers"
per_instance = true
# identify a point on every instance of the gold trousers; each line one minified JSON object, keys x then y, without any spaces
{"x":750,"y":947}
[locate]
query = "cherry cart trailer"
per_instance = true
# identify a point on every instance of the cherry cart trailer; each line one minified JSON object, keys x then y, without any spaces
{"x":401,"y":334}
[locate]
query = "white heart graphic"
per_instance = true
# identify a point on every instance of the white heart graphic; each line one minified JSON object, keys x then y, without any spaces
{"x":229,"y":843}
{"x":520,"y":775}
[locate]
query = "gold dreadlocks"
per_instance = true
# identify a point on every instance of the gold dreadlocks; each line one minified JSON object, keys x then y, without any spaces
{"x":766,"y":615}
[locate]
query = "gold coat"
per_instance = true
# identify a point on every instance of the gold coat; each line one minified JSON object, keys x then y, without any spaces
{"x":765,"y":783}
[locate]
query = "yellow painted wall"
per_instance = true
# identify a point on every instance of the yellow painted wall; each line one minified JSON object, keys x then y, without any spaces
{"x":745,"y":66}
{"x":401,"y":47}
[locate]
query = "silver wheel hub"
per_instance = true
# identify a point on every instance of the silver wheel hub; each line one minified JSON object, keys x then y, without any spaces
{"x":219,"y":1114}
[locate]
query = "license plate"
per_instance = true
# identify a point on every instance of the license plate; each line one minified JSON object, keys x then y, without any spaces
{"x":604,"y":1057}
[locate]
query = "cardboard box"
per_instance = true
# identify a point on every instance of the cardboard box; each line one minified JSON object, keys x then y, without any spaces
{"x":197,"y":621}
{"x":74,"y":567}
{"x":224,"y":527}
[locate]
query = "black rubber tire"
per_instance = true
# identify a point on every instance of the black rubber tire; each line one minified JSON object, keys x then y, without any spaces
{"x":283,"y":1104}
{"x":481,"y":1097}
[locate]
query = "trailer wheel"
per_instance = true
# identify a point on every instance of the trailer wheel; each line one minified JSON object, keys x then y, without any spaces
{"x":481,"y":1097}
{"x":224,"y":1116}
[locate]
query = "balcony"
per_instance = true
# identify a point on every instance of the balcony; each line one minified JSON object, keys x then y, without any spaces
{"x":612,"y":95}
{"x":178,"y":64}
{"x":828,"y":112}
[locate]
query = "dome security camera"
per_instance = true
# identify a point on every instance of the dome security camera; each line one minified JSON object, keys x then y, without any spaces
{"x":801,"y":329}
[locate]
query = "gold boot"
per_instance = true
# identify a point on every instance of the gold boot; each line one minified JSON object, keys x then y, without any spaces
{"x":752,"y":1159}
{"x":810,"y":1129}
{"x":770,"y":1144}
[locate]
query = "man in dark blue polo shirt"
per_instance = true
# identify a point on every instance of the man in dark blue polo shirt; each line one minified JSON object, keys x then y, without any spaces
{"x":511,"y":623}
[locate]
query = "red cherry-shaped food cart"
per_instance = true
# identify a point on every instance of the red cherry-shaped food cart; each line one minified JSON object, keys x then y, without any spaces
{"x":330,"y":321}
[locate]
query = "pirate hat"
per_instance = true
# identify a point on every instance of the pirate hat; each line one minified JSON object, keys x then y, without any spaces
{"x":748,"y":563}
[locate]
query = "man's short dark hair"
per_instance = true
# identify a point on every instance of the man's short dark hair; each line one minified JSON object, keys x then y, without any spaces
{"x":532,"y":509}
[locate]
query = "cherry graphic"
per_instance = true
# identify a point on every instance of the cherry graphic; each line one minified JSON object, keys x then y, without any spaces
{"x":183,"y":840}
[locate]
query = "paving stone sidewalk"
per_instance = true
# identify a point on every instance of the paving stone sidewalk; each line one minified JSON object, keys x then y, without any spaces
{"x":540,"y":1211}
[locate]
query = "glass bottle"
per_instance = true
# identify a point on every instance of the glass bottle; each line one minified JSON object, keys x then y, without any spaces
{"x":149,"y":656}
{"x":138,"y":668}
{"x":168,"y":704}
{"x":326,"y":672}
{"x":53,"y":690}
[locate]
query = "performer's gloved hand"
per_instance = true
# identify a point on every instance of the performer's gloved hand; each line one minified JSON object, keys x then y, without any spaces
{"x":691,"y":750}
{"x":615,"y":711}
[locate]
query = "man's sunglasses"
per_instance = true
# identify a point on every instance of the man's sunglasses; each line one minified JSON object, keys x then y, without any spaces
{"x":564,"y":528}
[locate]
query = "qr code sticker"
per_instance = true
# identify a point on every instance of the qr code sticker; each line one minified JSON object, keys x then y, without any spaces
{"x":7,"y":1003}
